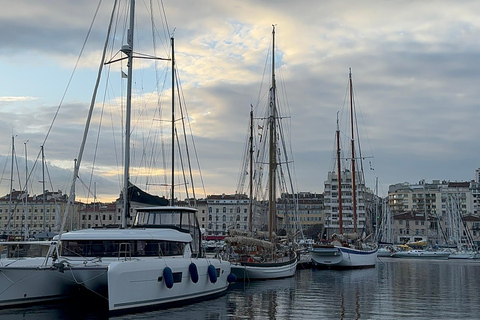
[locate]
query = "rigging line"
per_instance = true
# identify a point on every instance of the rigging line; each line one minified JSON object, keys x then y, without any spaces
{"x":98,"y":135}
{"x":182,"y":165}
{"x":87,"y":125}
{"x":18,"y":173}
{"x":182,"y":98}
{"x":4,"y":169}
{"x":88,"y":190}
{"x":160,"y":109}
{"x":245,"y":162}
{"x":96,"y":146}
{"x":185,"y":134}
{"x":73,"y":72}
{"x":51,"y":184}
{"x":165,"y":19}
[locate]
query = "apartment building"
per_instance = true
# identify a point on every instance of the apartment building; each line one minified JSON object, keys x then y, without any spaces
{"x":365,"y":201}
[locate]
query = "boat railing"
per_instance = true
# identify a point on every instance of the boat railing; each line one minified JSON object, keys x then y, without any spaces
{"x":124,"y":251}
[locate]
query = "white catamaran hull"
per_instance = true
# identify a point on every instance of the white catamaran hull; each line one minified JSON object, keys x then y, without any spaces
{"x":28,"y":280}
{"x":343,"y":257}
{"x":23,"y":281}
{"x":264,"y":271}
{"x":135,"y":284}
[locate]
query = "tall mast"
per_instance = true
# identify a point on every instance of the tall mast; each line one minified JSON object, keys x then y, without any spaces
{"x":339,"y":178}
{"x":10,"y":214}
{"x":354,"y":185}
{"x":43,"y":186}
{"x":128,"y":50}
{"x":250,"y":202}
{"x":272,"y":149}
{"x":26,"y":195}
{"x":173,"y":122}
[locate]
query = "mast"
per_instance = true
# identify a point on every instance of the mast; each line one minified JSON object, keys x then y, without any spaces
{"x":43,"y":186}
{"x":250,"y":202}
{"x":339,"y":178}
{"x":10,"y":214}
{"x":128,"y":50}
{"x":26,"y":195}
{"x":73,"y":196}
{"x":354,"y":185}
{"x":173,"y":122}
{"x":272,"y":149}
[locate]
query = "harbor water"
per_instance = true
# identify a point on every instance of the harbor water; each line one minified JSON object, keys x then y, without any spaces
{"x":395,"y":289}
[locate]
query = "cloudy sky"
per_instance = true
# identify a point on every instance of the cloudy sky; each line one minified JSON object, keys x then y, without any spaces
{"x":415,"y":71}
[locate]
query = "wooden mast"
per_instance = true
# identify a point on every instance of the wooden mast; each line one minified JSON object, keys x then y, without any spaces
{"x":272,"y":149}
{"x":354,"y":185}
{"x":339,"y":178}
{"x":250,"y":182}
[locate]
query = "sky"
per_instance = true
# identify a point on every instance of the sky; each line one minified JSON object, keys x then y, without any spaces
{"x":415,"y":66}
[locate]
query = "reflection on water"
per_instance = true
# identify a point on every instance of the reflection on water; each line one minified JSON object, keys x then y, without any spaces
{"x":395,"y":289}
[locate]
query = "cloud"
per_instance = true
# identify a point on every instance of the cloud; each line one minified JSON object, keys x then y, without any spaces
{"x":415,"y":67}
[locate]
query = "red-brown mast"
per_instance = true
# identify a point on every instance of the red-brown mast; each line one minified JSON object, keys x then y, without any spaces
{"x":339,"y":178}
{"x":354,"y":185}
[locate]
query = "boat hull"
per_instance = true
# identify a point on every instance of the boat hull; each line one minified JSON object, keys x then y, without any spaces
{"x":138,"y":284}
{"x":422,"y":254}
{"x":464,"y":255}
{"x":27,"y":281}
{"x":343,"y":257}
{"x":264,"y":271}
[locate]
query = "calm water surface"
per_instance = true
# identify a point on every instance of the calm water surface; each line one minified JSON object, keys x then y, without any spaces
{"x":395,"y":289}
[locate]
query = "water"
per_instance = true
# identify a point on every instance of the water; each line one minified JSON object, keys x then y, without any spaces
{"x":395,"y":289}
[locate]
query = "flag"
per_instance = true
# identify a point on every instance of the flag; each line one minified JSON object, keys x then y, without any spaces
{"x":260,"y":127}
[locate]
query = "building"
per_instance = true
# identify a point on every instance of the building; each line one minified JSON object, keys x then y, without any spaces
{"x":22,"y":216}
{"x":434,"y":197}
{"x":308,"y":211}
{"x":413,"y":226}
{"x":365,"y":201}
{"x":437,"y":211}
{"x":219,"y":213}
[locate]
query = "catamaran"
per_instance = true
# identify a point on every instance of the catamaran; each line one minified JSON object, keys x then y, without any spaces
{"x":157,"y":261}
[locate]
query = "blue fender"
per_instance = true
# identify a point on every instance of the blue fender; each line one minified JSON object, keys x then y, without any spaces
{"x":212,"y":274}
{"x":193,"y":272}
{"x":168,"y":276}
{"x":232,"y":278}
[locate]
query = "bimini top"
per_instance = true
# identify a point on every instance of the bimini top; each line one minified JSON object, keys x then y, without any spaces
{"x":126,"y":235}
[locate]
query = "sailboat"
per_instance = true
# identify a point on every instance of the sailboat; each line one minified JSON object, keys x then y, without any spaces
{"x":346,"y":250}
{"x":385,"y":232}
{"x":155,"y":262}
{"x":258,"y":255}
{"x":460,"y":234}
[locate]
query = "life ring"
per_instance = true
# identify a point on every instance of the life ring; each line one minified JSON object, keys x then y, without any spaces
{"x":168,"y":276}
{"x":212,"y":273}
{"x":193,"y":272}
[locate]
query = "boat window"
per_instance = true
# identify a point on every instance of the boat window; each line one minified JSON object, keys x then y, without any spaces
{"x":177,"y":277}
{"x":111,"y":248}
{"x":182,"y":220}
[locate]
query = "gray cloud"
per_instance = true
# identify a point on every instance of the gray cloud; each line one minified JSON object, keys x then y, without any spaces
{"x":415,"y":67}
